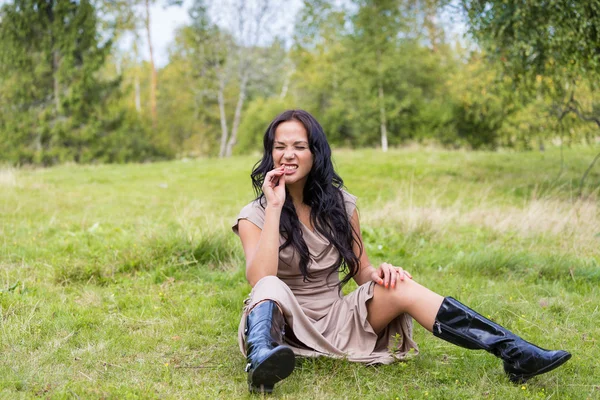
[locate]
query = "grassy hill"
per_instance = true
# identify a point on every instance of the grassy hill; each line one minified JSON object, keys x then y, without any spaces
{"x":125,"y":281}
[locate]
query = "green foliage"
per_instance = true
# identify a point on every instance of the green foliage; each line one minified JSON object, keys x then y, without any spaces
{"x":556,"y":38}
{"x":351,"y":65}
{"x":550,"y":49}
{"x":55,"y":105}
{"x":362,"y":68}
{"x":259,"y":114}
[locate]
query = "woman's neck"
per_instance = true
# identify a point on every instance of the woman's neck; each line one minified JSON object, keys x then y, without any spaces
{"x":296,"y":193}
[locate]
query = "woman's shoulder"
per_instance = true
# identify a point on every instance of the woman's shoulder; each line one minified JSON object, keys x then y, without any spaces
{"x":349,"y":202}
{"x":253,"y":212}
{"x":348,"y":197}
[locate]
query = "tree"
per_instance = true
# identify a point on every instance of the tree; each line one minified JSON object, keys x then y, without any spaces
{"x":130,"y":14}
{"x":369,"y":73}
{"x":555,"y":41}
{"x":377,"y":26}
{"x":53,"y":103}
{"x":249,"y":23}
{"x":191,"y":82}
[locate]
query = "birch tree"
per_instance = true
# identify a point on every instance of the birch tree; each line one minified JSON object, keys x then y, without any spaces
{"x":136,"y":16}
{"x":249,"y":24}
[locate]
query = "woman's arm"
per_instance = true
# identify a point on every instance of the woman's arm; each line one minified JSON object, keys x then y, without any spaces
{"x":261,"y":247}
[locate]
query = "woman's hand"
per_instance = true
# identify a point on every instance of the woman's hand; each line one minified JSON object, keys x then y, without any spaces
{"x":274,"y":187}
{"x":387,"y":275}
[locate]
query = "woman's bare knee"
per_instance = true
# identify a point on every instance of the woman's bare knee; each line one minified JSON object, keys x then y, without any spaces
{"x":406,"y":293}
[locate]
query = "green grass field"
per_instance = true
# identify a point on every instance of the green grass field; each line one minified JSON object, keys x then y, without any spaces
{"x":125,"y":281}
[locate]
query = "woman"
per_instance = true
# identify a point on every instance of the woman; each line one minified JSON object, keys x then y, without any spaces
{"x":302,"y":230}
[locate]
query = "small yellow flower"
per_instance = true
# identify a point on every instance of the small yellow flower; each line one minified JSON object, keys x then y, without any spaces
{"x":457,"y":381}
{"x":166,"y":364}
{"x":489,"y":316}
{"x":510,"y":298}
{"x":523,"y":388}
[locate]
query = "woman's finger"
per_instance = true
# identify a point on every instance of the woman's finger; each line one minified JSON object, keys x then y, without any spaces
{"x":376,"y":278}
{"x":272,"y":178}
{"x":388,"y":274}
{"x":401,"y":273}
{"x":273,"y":174}
{"x":394,"y":276}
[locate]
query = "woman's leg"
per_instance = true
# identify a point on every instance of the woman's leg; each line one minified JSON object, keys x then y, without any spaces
{"x":269,"y":360}
{"x":407,"y":297}
{"x":456,"y":323}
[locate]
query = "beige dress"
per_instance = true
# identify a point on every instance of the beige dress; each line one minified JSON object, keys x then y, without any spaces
{"x":320,"y":320}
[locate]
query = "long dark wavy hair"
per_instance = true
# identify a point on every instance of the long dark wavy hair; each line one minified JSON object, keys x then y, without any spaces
{"x":322,"y":193}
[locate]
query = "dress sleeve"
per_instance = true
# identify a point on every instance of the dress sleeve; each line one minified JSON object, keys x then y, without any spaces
{"x":349,"y":203}
{"x":254,"y":213}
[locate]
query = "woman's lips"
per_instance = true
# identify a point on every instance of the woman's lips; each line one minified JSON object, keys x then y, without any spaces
{"x":291,"y":169}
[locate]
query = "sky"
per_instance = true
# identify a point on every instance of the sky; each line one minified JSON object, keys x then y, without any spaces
{"x":165,"y":21}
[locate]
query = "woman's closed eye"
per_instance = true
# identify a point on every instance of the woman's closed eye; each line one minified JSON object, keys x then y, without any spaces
{"x":300,"y":148}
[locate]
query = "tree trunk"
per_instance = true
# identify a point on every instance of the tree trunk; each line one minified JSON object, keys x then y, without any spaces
{"x":430,"y":24}
{"x":384,"y":142}
{"x":224,"y":132}
{"x":238,"y":115}
{"x":286,"y":84}
{"x":136,"y":78}
{"x":154,"y":77}
{"x":55,"y":66}
{"x":587,"y":171}
{"x":138,"y":102}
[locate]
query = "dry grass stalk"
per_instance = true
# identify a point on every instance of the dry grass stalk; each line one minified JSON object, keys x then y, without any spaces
{"x":576,"y":223}
{"x":8,"y":176}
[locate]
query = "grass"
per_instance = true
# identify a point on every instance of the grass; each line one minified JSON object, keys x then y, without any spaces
{"x":126,"y":281}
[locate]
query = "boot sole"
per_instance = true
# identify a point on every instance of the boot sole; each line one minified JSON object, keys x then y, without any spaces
{"x":524,"y":378}
{"x":279,"y":365}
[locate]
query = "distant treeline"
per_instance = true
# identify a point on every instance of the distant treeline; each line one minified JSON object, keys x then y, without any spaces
{"x":375,"y":73}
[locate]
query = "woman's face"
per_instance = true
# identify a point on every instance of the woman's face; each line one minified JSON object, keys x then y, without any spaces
{"x":290,"y":148}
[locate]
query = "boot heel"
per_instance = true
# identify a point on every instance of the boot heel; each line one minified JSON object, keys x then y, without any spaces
{"x":260,"y":388}
{"x":278,"y":365}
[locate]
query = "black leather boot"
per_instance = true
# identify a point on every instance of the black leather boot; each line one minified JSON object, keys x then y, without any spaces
{"x":268,"y":360}
{"x":458,"y":324}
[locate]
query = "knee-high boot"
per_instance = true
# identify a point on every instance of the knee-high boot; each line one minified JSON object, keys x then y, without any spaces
{"x":269,"y":361}
{"x":458,"y":324}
